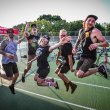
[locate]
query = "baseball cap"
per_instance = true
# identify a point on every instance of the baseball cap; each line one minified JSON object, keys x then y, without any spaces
{"x":93,"y":16}
{"x":46,"y":36}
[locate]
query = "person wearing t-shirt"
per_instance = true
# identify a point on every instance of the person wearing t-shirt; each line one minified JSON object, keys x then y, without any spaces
{"x":32,"y":39}
{"x":42,"y":54}
{"x":65,"y":51}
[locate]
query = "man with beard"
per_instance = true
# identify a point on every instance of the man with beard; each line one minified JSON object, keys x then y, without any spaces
{"x":90,"y":38}
{"x":9,"y":58}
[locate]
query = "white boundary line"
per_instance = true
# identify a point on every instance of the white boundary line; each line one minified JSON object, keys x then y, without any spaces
{"x":65,"y":102}
{"x":86,"y":84}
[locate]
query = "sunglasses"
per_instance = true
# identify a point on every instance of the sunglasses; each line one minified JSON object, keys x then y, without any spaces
{"x":62,"y":35}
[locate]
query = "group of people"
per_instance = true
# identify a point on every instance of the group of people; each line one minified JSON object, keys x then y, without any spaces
{"x":89,"y":37}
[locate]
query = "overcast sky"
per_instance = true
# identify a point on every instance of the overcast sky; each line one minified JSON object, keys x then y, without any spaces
{"x":13,"y":12}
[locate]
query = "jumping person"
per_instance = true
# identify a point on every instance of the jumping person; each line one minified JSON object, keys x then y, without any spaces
{"x":90,"y":38}
{"x":32,"y":39}
{"x":65,"y":50}
{"x":9,"y":58}
{"x":42,"y":54}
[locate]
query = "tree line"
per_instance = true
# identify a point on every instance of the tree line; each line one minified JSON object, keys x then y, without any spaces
{"x":51,"y":24}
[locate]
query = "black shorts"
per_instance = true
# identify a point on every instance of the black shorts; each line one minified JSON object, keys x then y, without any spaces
{"x":43,"y":72}
{"x":64,"y":68}
{"x":84,"y":64}
{"x":10,"y":69}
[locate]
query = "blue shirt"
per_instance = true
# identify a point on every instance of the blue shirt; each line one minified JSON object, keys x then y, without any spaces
{"x":10,"y":48}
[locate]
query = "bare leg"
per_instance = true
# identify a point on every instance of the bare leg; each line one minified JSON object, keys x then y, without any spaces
{"x":90,"y":72}
{"x":28,"y":67}
{"x":15,"y":77}
{"x":43,"y":82}
{"x":81,"y":74}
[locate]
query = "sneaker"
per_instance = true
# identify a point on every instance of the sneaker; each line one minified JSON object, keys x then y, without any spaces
{"x":73,"y":86}
{"x":12,"y":89}
{"x":66,"y":85}
{"x":103,"y":70}
{"x":57,"y":86}
{"x":23,"y":78}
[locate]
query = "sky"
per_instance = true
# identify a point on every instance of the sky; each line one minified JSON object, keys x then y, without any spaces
{"x":14,"y":12}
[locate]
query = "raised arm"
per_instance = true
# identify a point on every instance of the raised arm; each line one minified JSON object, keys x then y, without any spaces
{"x":25,"y":34}
{"x":35,"y":58}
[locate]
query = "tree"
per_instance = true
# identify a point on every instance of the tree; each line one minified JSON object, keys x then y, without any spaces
{"x":108,"y":29}
{"x":50,"y":18}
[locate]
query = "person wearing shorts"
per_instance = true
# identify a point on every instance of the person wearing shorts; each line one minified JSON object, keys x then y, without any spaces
{"x":90,"y":38}
{"x":32,"y":39}
{"x":9,"y":58}
{"x":42,"y":54}
{"x":65,"y":51}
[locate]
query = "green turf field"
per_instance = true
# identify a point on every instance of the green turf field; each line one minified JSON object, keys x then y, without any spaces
{"x":92,"y":93}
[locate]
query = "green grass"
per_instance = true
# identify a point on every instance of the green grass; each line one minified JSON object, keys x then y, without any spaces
{"x":93,"y":92}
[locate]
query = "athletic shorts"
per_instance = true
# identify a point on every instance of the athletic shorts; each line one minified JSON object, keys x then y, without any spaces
{"x":43,"y":72}
{"x":10,"y":69}
{"x":64,"y":68}
{"x":84,"y":64}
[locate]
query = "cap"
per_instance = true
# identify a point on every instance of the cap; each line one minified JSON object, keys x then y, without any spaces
{"x":10,"y":30}
{"x":46,"y":36}
{"x":33,"y":25}
{"x":93,"y":16}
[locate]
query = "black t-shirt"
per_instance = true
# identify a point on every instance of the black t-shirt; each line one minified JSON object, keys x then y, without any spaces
{"x":33,"y":45}
{"x":66,"y":50}
{"x":42,"y":54}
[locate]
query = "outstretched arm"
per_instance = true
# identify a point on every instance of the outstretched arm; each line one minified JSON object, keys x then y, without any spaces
{"x":35,"y":58}
{"x":62,"y":41}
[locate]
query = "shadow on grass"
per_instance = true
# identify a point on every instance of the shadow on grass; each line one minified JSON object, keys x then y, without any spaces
{"x":23,"y":101}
